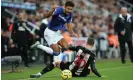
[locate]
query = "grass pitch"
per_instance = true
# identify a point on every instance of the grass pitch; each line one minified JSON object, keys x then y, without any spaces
{"x":111,"y":69}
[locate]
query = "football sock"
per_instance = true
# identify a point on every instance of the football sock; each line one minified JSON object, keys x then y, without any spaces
{"x":47,"y":69}
{"x":64,"y":49}
{"x":47,"y":49}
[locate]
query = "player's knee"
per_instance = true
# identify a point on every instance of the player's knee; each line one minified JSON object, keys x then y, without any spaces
{"x":55,"y":47}
{"x":65,"y":47}
{"x":63,"y":43}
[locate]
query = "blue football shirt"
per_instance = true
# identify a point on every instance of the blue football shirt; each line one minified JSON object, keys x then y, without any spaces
{"x":59,"y":18}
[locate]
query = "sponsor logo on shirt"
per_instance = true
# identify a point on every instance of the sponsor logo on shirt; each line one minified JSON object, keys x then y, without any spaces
{"x":62,"y":18}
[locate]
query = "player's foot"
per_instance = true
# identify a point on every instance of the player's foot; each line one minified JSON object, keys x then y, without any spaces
{"x":35,"y":76}
{"x":35,"y":45}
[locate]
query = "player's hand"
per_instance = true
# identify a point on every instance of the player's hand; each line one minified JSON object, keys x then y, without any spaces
{"x":74,"y":35}
{"x":54,"y":6}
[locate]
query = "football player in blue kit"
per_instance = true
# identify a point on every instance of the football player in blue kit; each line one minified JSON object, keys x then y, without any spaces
{"x":52,"y":34}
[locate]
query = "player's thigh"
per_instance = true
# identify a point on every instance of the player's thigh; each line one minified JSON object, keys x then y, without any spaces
{"x":63,"y":43}
{"x":55,"y":47}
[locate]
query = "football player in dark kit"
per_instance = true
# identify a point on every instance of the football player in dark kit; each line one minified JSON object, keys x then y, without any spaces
{"x":80,"y":66}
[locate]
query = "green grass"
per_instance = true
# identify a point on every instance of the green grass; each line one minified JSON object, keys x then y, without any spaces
{"x":112,"y":69}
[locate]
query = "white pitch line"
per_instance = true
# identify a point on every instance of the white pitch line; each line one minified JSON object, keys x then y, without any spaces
{"x":114,"y":68}
{"x":98,"y":70}
{"x":27,"y":79}
{"x":54,"y":75}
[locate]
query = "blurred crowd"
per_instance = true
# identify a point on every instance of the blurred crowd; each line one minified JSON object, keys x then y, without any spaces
{"x":90,"y":18}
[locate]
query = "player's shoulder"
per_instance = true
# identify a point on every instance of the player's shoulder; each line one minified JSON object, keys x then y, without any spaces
{"x":79,"y":47}
{"x":85,"y":50}
{"x":59,"y":8}
{"x":82,"y":48}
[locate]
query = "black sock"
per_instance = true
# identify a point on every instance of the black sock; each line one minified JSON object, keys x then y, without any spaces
{"x":47,"y":69}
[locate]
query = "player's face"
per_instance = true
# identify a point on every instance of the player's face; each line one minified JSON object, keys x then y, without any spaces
{"x":68,"y":9}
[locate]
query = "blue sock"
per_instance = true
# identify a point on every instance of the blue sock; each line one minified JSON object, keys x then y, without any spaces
{"x":56,"y":53}
{"x":64,"y":49}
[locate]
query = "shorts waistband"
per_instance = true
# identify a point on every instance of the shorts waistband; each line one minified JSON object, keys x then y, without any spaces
{"x":52,"y":29}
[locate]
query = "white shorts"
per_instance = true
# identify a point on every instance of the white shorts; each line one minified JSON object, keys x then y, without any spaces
{"x":52,"y":37}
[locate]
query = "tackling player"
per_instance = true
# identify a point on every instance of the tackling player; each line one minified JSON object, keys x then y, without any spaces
{"x":79,"y":67}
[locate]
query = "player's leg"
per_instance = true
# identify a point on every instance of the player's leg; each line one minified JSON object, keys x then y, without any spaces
{"x":52,"y":38}
{"x":63,"y":43}
{"x":53,"y":50}
{"x":48,"y":68}
{"x":62,"y":65}
{"x":94,"y":70}
{"x":56,"y":49}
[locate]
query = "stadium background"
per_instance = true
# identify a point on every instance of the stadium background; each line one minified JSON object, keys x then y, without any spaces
{"x":90,"y":18}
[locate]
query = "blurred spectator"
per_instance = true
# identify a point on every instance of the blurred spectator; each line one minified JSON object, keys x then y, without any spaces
{"x":4,"y":43}
{"x":20,"y":36}
{"x":113,"y":44}
{"x":89,"y":16}
{"x":9,"y":52}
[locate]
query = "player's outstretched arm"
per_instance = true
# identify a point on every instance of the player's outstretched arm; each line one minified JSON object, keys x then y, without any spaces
{"x":50,"y":13}
{"x":70,"y":30}
{"x":94,"y":70}
{"x":73,"y":48}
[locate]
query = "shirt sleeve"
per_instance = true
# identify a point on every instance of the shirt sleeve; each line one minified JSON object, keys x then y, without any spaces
{"x":73,"y":48}
{"x":57,"y":11}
